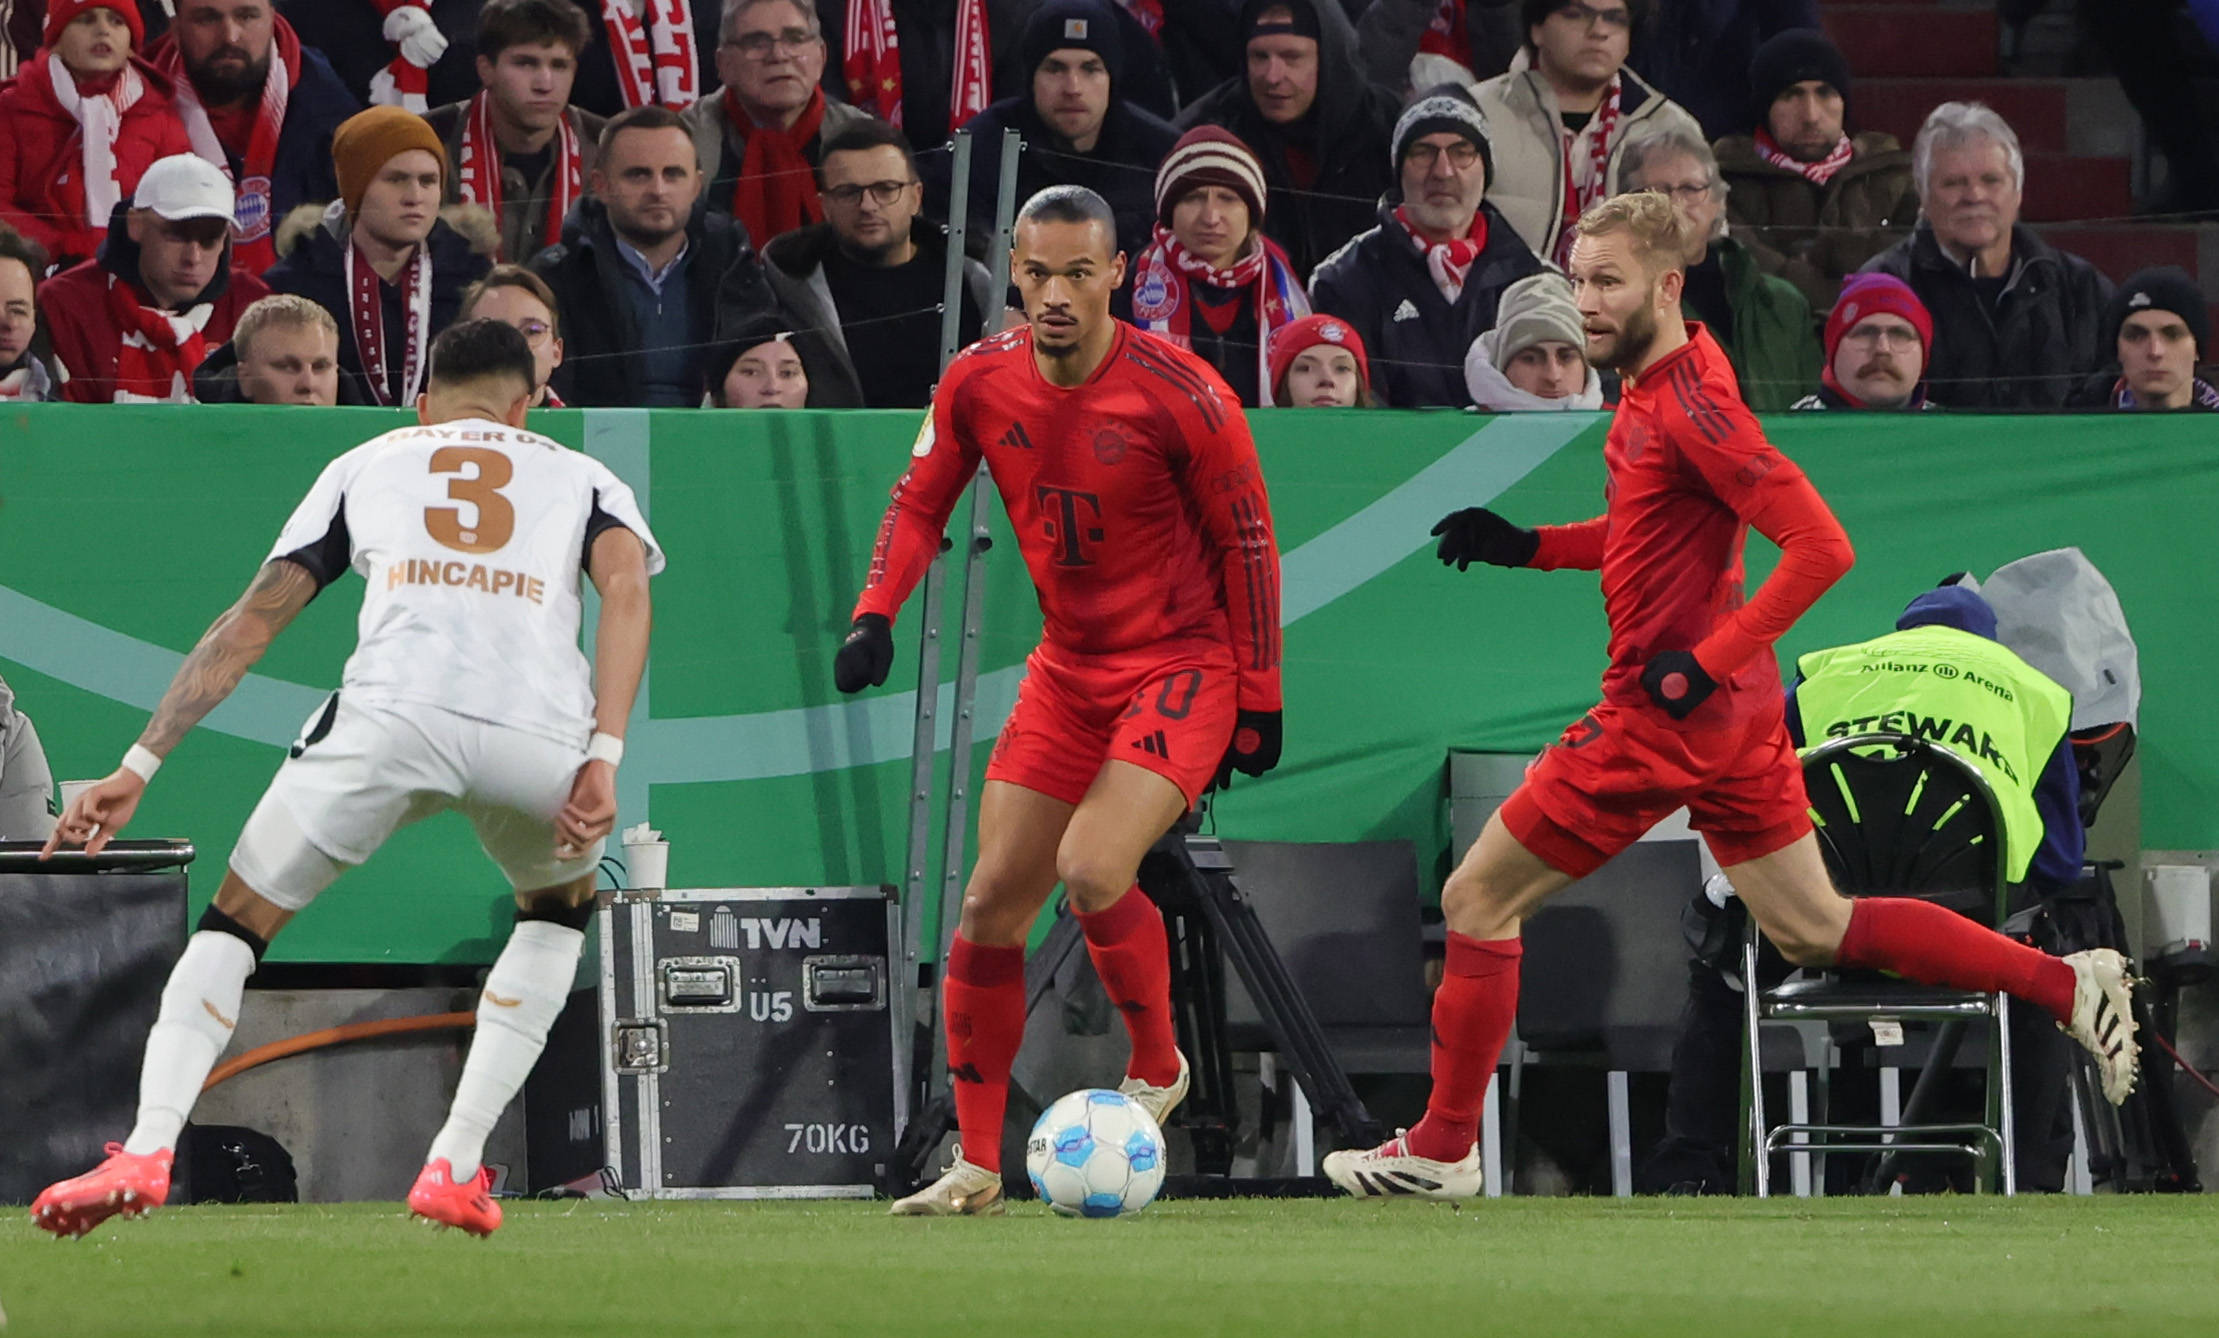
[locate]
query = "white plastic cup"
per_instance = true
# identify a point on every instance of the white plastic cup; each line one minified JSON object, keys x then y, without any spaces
{"x":2180,"y":894}
{"x":647,"y":865}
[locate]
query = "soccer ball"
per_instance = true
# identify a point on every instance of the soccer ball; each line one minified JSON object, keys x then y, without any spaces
{"x":1095,"y":1154}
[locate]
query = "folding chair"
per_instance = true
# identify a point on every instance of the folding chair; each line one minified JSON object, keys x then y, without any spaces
{"x":1895,"y":816}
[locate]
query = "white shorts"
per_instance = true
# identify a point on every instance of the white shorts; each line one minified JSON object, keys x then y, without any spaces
{"x":361,"y":772}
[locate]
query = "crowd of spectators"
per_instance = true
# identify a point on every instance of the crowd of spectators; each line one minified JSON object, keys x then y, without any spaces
{"x":751,"y":203}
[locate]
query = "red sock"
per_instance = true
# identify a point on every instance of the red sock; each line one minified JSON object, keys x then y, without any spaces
{"x":1936,"y":946}
{"x":984,"y":1000}
{"x":1133,"y":958}
{"x":1472,"y":1013}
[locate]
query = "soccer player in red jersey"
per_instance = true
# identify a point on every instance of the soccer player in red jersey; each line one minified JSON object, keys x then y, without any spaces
{"x":1133,"y":487}
{"x":1692,"y":715}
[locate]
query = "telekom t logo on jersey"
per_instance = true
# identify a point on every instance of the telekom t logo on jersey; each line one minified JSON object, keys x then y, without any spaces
{"x":1064,"y":525}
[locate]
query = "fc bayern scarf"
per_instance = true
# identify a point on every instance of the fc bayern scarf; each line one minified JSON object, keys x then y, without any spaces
{"x":1446,"y":35}
{"x":253,"y":227}
{"x":1163,"y":298}
{"x":1148,"y":13}
{"x":873,"y":63}
{"x":366,"y":319}
{"x":654,"y":53}
{"x":1818,"y":173}
{"x":478,"y":174}
{"x":160,"y":349}
{"x":99,"y":118}
{"x":777,"y":189}
{"x":1448,"y":262}
{"x":1580,"y":195}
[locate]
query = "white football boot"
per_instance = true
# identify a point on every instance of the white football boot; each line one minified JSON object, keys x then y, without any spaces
{"x":1159,"y":1102}
{"x":1391,"y":1170}
{"x":2103,"y":1018}
{"x":963,"y":1190}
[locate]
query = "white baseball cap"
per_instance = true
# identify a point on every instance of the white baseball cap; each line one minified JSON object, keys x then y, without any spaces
{"x":184,"y":186}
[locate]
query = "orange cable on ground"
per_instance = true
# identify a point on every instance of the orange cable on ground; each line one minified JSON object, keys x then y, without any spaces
{"x":340,"y":1035}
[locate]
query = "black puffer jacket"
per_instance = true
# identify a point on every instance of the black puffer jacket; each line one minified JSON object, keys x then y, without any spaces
{"x":1414,"y":337}
{"x":2029,"y":351}
{"x":1348,"y":134}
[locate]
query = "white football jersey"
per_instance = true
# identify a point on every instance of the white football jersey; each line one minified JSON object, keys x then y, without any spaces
{"x":472,"y":536}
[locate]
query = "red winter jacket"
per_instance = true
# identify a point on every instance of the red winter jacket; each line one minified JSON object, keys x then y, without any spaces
{"x":86,"y":334}
{"x":42,"y":191}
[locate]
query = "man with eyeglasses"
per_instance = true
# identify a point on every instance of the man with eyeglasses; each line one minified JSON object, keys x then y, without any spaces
{"x":514,"y":296}
{"x":1762,"y":321}
{"x":645,"y":271}
{"x":870,"y":278}
{"x":1561,"y":125}
{"x":1877,"y":340}
{"x":1427,"y":281}
{"x":761,"y":134}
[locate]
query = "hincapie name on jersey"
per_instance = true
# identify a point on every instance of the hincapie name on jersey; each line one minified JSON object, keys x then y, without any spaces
{"x":466,"y":575}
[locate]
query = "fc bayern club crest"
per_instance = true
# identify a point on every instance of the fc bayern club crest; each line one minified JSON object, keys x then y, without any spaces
{"x":250,"y":220}
{"x":1154,"y":297}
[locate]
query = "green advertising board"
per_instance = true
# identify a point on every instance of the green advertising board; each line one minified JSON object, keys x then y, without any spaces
{"x":125,"y":530}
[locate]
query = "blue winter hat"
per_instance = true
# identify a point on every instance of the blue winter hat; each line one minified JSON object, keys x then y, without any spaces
{"x":1955,"y":606}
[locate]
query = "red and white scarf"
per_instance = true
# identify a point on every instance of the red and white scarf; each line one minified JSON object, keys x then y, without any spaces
{"x":873,"y":63}
{"x":1446,"y":35}
{"x":253,"y":222}
{"x":1163,"y":297}
{"x":777,"y":189}
{"x":366,"y":317}
{"x":1450,"y":263}
{"x":656,"y":61}
{"x":1579,"y":195}
{"x":160,"y":349}
{"x":1818,"y":173}
{"x":99,"y":118}
{"x":1148,"y":13}
{"x":478,"y":174}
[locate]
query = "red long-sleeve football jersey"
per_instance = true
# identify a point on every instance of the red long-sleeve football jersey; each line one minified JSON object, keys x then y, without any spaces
{"x":1689,"y":472}
{"x":1136,"y":497}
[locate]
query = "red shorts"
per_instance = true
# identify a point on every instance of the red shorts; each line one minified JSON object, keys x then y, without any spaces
{"x":1622,"y":769}
{"x":1168,"y":708}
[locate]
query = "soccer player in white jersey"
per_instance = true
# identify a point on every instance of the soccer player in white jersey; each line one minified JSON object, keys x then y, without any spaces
{"x":467,"y":691}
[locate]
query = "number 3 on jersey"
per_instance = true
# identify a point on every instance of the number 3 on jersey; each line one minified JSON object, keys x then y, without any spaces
{"x":495,"y":521}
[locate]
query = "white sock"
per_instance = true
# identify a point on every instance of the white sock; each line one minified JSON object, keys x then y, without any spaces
{"x":200,"y":1008}
{"x":523,"y":993}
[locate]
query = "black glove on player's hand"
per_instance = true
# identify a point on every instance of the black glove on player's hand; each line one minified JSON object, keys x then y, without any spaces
{"x":1255,"y":747}
{"x":1675,"y":681}
{"x":866,"y":655}
{"x":1476,"y":534}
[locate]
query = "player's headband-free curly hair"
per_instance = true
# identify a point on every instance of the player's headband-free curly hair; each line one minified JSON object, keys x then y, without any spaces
{"x":1658,"y":231}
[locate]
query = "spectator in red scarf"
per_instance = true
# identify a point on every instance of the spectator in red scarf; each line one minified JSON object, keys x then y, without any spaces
{"x":1427,"y":280}
{"x":1318,"y":363}
{"x":1560,"y":125}
{"x":1212,"y":281}
{"x":26,"y":374}
{"x":518,"y":147}
{"x":260,"y":107}
{"x":1812,"y":201}
{"x":84,"y":119}
{"x":134,"y":325}
{"x":761,"y":136}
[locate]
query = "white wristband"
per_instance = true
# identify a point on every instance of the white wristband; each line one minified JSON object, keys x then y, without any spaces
{"x":140,"y":761}
{"x":605,"y":748}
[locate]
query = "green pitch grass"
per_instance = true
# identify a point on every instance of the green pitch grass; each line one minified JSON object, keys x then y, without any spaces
{"x":1957,"y":1267}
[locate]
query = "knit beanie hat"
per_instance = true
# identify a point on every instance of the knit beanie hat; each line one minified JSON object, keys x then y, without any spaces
{"x":1787,"y":59}
{"x":2165,"y":288}
{"x":1082,"y":25}
{"x":61,"y":13}
{"x":1537,"y":309}
{"x":366,"y":141}
{"x":1865,"y":295}
{"x":1443,"y":107}
{"x":1289,"y":340}
{"x":1210,"y":155}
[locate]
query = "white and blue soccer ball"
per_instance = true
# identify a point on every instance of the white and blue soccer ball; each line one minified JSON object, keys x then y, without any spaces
{"x":1095,"y":1153}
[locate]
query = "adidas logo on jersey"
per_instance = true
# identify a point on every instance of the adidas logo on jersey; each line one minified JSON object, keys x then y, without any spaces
{"x":1408,"y":311}
{"x":1015,"y":439}
{"x":1154,"y":745}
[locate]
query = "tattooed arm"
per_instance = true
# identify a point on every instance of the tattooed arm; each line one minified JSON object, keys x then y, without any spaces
{"x":231,"y":646}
